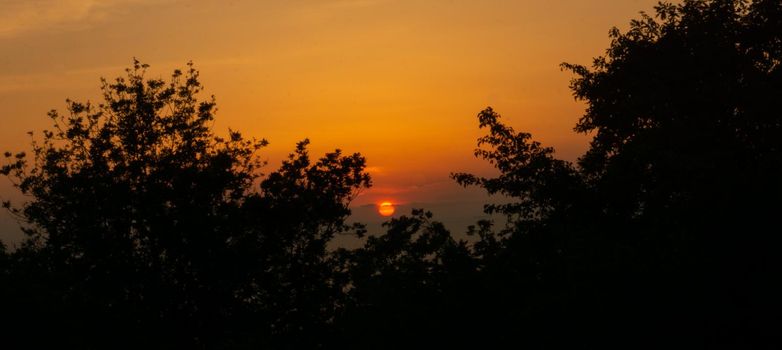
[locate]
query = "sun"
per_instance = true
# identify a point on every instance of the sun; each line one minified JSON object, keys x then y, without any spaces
{"x":386,"y":209}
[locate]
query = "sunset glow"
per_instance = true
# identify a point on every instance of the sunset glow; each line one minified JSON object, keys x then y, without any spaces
{"x":399,"y":82}
{"x":386,"y":209}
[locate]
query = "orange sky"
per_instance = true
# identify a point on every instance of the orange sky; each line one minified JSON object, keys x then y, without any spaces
{"x":398,"y":81}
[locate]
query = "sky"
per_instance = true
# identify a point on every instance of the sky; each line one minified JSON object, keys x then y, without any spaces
{"x":401,"y":82}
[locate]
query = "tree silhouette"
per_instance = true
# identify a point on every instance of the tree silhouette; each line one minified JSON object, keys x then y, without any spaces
{"x":147,"y":228}
{"x":144,"y":229}
{"x":686,"y":155}
{"x":408,"y":286}
{"x":664,"y":222}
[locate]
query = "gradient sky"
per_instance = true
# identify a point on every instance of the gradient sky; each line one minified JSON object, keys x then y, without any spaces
{"x":399,"y":81}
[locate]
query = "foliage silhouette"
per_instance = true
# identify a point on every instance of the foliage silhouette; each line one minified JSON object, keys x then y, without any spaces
{"x":406,"y":285}
{"x":662,"y":227}
{"x":146,"y":228}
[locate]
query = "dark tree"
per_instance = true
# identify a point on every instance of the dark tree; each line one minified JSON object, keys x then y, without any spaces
{"x":409,"y":287}
{"x":686,"y":160}
{"x":664,"y":229}
{"x":145,"y":229}
{"x":292,"y":276}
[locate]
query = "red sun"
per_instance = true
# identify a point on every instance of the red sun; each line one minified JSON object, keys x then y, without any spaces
{"x":386,"y":209}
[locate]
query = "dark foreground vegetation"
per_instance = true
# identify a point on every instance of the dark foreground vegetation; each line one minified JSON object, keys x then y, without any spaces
{"x":145,"y":230}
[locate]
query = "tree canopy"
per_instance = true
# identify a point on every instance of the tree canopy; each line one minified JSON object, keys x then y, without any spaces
{"x":144,"y":224}
{"x":663,"y":227}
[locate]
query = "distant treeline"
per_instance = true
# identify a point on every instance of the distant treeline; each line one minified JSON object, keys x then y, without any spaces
{"x":144,"y":229}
